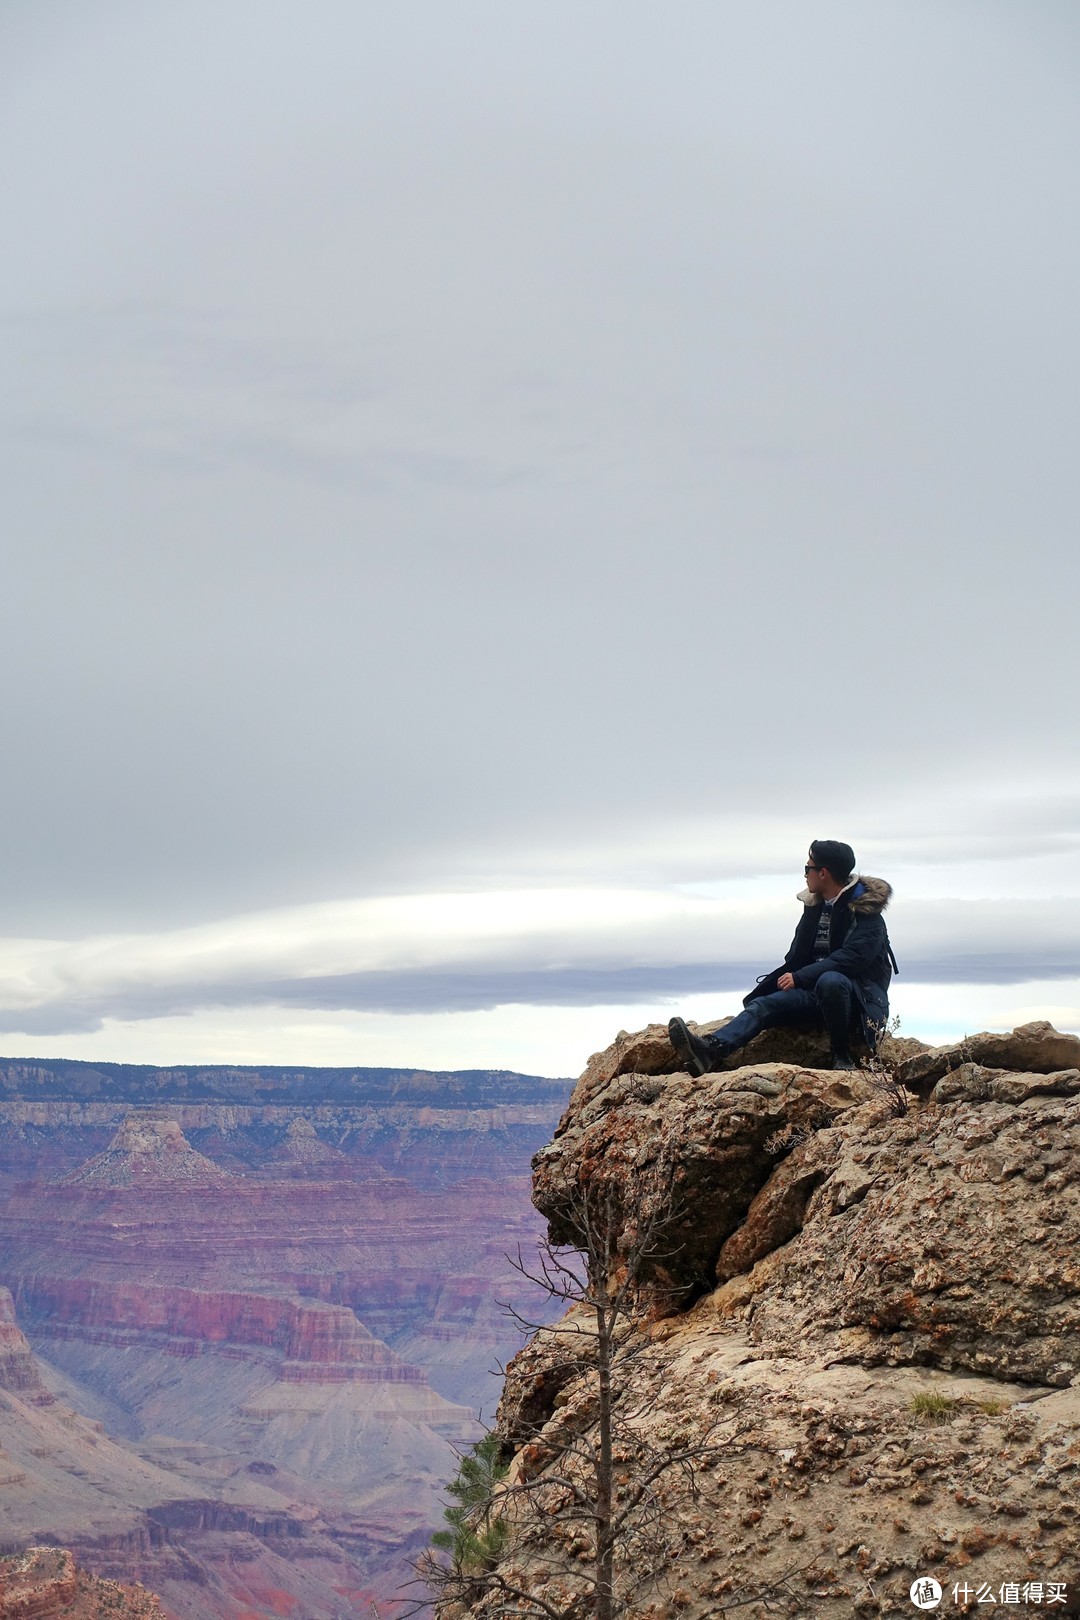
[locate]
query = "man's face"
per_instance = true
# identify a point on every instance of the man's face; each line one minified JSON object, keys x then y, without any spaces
{"x":815,"y":875}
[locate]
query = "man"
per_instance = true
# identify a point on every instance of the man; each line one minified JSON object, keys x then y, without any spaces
{"x":835,"y":976}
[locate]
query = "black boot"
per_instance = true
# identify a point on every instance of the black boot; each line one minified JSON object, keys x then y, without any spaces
{"x":843,"y":1060}
{"x":699,"y":1055}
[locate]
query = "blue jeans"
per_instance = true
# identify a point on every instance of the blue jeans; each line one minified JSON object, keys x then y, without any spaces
{"x":830,"y":1005}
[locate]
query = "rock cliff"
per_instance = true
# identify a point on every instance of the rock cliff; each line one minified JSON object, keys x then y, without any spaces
{"x":44,"y":1583}
{"x":866,"y":1304}
{"x":18,"y":1370}
{"x":302,"y":1342}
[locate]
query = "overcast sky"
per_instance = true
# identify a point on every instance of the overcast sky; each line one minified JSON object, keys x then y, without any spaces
{"x":485,"y":483}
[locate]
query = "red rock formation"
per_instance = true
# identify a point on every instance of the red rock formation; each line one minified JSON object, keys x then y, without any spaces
{"x":148,"y":1153}
{"x":304,"y":1153}
{"x":18,"y":1370}
{"x":44,"y":1582}
{"x":305,"y":1341}
{"x":401,"y":1257}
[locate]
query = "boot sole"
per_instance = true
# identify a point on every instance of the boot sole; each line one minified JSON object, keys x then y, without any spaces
{"x":679,"y":1036}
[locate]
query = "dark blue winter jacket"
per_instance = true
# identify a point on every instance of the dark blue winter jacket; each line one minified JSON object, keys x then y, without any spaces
{"x":858,"y":947}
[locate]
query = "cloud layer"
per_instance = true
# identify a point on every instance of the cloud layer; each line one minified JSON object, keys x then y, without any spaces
{"x":464,"y":952}
{"x":529,"y":469}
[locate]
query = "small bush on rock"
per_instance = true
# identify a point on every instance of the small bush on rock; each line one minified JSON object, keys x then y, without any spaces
{"x":477,"y":1533}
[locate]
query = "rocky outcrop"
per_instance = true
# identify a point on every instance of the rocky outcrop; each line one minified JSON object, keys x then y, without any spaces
{"x":19,"y":1372}
{"x":650,"y":1052}
{"x":947,"y":1238}
{"x":1036,"y":1048}
{"x":43,"y":1583}
{"x":870,"y":1317}
{"x":148,"y":1152}
{"x":694,"y":1152}
{"x":304,"y":1153}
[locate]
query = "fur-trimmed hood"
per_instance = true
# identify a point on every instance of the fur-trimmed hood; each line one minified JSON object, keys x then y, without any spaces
{"x":868,"y":896}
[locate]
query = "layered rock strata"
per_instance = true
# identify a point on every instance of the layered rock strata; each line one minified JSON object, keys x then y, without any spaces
{"x":301,"y":1342}
{"x":19,"y":1372}
{"x":150,"y":1153}
{"x":868,"y":1314}
{"x":304,"y":1153}
{"x":234,"y":1305}
{"x":44,"y":1583}
{"x":279,"y":1416}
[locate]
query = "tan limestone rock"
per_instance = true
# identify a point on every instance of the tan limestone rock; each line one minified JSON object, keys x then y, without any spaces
{"x":952,"y":1235}
{"x":702,"y":1148}
{"x":649,"y":1052}
{"x":1036,"y":1048}
{"x":891,"y":1359}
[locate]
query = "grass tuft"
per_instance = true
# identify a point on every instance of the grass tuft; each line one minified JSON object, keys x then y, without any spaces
{"x":933,"y":1407}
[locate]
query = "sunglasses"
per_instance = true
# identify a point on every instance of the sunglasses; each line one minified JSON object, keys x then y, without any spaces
{"x":808,"y":869}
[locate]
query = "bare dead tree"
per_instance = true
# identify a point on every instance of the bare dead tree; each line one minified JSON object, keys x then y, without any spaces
{"x":577,"y":1529}
{"x":600,"y":1268}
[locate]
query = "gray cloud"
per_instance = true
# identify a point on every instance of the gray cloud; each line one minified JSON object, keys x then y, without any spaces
{"x":400,"y":993}
{"x":532,"y":447}
{"x":391,"y":993}
{"x":443,"y":954}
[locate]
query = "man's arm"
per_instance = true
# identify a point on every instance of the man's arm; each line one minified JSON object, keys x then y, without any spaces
{"x":862,"y":947}
{"x":785,"y":979}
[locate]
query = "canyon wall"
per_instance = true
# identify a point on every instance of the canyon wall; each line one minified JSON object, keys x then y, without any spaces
{"x":44,"y":1583}
{"x":274,"y":1295}
{"x":18,"y":1370}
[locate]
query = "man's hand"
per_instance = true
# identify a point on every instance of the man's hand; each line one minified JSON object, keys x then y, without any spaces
{"x":785,"y":982}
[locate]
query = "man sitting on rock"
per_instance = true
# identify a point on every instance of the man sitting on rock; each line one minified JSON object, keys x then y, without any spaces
{"x":835,"y":976}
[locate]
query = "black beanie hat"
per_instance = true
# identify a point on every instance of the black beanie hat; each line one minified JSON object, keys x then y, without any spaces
{"x":837,"y":859}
